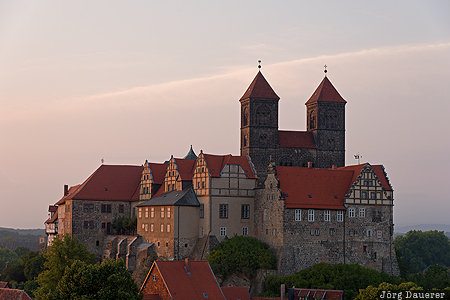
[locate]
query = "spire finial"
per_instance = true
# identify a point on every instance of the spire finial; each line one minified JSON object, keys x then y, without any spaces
{"x":325,"y":70}
{"x":259,"y":64}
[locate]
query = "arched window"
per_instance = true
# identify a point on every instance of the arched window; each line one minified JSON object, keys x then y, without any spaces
{"x":245,"y":117}
{"x":312,"y":120}
{"x":263,"y":115}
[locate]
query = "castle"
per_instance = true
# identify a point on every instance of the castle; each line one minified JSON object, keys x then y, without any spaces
{"x":290,"y":189}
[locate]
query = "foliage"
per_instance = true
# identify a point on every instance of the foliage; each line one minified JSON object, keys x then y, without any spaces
{"x":61,"y":254}
{"x":241,"y":254}
{"x":437,"y":277}
{"x":7,"y":257}
{"x":33,"y":264}
{"x":108,"y":280}
{"x":349,"y":278}
{"x":125,"y":225}
{"x":14,"y":273}
{"x":418,"y":250}
{"x":371,"y":292}
{"x":17,"y":238}
{"x":21,"y":251}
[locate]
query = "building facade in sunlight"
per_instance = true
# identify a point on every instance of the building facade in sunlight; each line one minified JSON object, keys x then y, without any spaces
{"x":290,"y":189}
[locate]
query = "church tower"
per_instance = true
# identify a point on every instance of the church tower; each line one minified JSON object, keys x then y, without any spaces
{"x":325,"y":118}
{"x":259,"y":122}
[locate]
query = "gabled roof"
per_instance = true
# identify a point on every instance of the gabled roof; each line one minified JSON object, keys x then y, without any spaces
{"x":184,"y":285}
{"x":314,"y":188}
{"x":185,"y":168}
{"x":109,"y":182}
{"x":186,"y":197}
{"x":3,"y":284}
{"x":260,"y":88}
{"x":216,"y":163}
{"x":52,"y":218}
{"x":158,"y":171}
{"x":326,"y":92}
{"x":236,"y":292}
{"x":379,"y":172}
{"x":296,"y":139}
{"x":13,"y":294}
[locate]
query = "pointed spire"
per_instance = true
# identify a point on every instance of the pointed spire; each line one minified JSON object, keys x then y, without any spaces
{"x":191,"y":154}
{"x":260,"y":88}
{"x":326,"y":92}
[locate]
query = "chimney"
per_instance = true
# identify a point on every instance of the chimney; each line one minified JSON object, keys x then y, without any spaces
{"x":66,"y":189}
{"x":333,"y":167}
{"x":283,"y":291}
{"x":187,"y":265}
{"x":310,"y":164}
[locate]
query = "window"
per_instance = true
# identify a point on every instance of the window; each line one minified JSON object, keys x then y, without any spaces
{"x":311,"y":215}
{"x":104,"y":225}
{"x":146,"y":212}
{"x":121,"y":209}
{"x":245,"y":211}
{"x":152,"y":212}
{"x":369,"y":232}
{"x":162,"y":212}
{"x":151,"y":227}
{"x":326,"y":216}
{"x":340,"y":216}
{"x":88,"y":208}
{"x":201,"y":231}
{"x":298,"y":215}
{"x":244,"y":230}
{"x":168,"y":227}
{"x":373,"y":195}
{"x":154,"y":277}
{"x":162,"y":227}
{"x":146,"y":228}
{"x":351,"y":233}
{"x":202,"y":211}
{"x":106,"y":208}
{"x":168,"y":212}
{"x":317,"y":231}
{"x":311,"y":232}
{"x":265,"y":214}
{"x":379,"y":234}
{"x":223,"y":231}
{"x":140,"y":212}
{"x":363,"y":195}
{"x":332,"y":231}
{"x":223,"y":211}
{"x":351,"y":212}
{"x":362,"y":212}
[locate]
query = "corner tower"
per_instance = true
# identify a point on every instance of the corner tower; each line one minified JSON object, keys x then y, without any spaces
{"x":325,"y":118}
{"x":259,"y":122}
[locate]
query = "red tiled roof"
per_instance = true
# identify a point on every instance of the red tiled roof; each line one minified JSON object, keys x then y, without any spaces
{"x":71,"y":191}
{"x":52,"y":208}
{"x":182,"y":285}
{"x":13,"y":294}
{"x":185,"y":168}
{"x":314,"y":188}
{"x":109,"y":182}
{"x":158,"y":172}
{"x":236,"y":292}
{"x":379,"y":172}
{"x":52,"y":218}
{"x":318,"y":294}
{"x":265,"y":298}
{"x":260,"y":88}
{"x":296,"y":139}
{"x":151,"y":297}
{"x":3,"y":284}
{"x":216,"y":163}
{"x":326,"y":92}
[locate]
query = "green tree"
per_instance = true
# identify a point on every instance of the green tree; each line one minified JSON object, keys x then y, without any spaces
{"x":61,"y":254}
{"x":241,"y":254}
{"x":125,"y":225}
{"x":21,"y":251}
{"x":349,"y":278}
{"x":108,"y":280}
{"x":418,"y":250}
{"x":33,"y":263}
{"x":437,"y":277}
{"x":372,"y":292}
{"x":7,"y":257}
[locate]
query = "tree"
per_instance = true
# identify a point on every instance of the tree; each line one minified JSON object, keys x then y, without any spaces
{"x":7,"y":258}
{"x":417,"y":250}
{"x":61,"y":254}
{"x":108,"y":280}
{"x":241,"y":254}
{"x":125,"y":225}
{"x":21,"y":251}
{"x":349,"y":278}
{"x":371,"y":292}
{"x":437,"y":277}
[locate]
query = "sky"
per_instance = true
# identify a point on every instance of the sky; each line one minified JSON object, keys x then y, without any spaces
{"x":127,"y":81}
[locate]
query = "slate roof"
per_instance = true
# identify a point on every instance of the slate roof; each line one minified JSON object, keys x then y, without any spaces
{"x":236,"y":292}
{"x":13,"y":294}
{"x":216,"y":163}
{"x":109,"y":182}
{"x":260,"y":88}
{"x":326,"y":92}
{"x":184,"y":285}
{"x":191,"y":154}
{"x":186,"y":197}
{"x":296,"y":139}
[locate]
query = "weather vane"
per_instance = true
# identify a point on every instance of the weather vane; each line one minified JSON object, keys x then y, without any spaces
{"x":325,"y":70}
{"x":103,"y":161}
{"x":259,"y":64}
{"x":358,"y":157}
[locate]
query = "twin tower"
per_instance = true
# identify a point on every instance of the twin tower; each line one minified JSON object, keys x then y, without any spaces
{"x":322,"y":145}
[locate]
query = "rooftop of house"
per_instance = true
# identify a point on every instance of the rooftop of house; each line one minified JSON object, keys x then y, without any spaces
{"x":296,"y":139}
{"x":326,"y":92}
{"x":186,"y":197}
{"x":316,"y":294}
{"x":216,"y":164}
{"x":187,"y":279}
{"x":260,"y":88}
{"x":236,"y":292}
{"x":13,"y":294}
